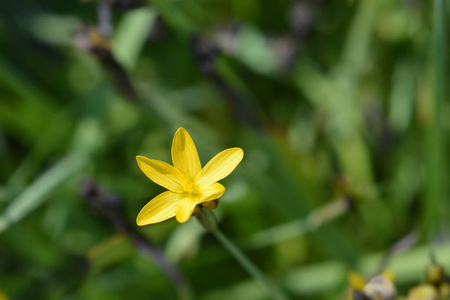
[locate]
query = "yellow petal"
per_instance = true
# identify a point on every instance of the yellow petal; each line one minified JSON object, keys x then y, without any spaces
{"x":215,"y":191}
{"x":389,"y":275}
{"x":159,"y":209}
{"x":219,"y":167}
{"x":357,"y":282}
{"x":184,"y":154}
{"x":162,"y":173}
{"x":185,"y":208}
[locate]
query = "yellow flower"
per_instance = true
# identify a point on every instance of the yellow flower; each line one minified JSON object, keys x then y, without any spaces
{"x":187,"y":183}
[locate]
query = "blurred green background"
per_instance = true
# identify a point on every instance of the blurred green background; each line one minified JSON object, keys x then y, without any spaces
{"x":338,"y":105}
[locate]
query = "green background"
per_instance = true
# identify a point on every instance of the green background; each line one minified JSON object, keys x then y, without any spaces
{"x":332,"y":101}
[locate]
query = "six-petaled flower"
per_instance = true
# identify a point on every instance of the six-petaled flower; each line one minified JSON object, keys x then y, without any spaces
{"x":187,"y":182}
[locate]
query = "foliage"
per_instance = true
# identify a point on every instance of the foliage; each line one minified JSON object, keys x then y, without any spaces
{"x":332,"y":102}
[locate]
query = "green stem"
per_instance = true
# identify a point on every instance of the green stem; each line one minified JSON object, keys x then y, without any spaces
{"x":435,"y":206}
{"x":208,"y":220}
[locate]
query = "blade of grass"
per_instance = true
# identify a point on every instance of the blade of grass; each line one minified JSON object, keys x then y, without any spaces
{"x":34,"y":194}
{"x":434,"y":204}
{"x":174,"y":16}
{"x":296,"y":228}
{"x":87,"y":139}
{"x":126,"y":46}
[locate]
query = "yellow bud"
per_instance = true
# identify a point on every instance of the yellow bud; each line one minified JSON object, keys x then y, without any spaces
{"x":434,"y":273}
{"x":444,"y":289}
{"x":423,"y":292}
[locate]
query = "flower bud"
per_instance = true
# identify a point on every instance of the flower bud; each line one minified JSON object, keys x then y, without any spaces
{"x":207,"y":218}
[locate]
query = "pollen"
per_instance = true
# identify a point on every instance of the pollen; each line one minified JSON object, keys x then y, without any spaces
{"x":189,"y":187}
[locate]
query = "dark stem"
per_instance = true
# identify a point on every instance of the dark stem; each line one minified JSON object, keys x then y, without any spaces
{"x":109,"y":207}
{"x":205,"y":53}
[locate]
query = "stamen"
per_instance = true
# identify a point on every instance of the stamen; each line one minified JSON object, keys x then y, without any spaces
{"x":189,"y":186}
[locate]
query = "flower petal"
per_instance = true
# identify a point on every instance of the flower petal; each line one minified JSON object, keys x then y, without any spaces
{"x":162,"y":173}
{"x":219,"y":167}
{"x":185,"y":208}
{"x":215,"y":191}
{"x":184,"y":154}
{"x":159,"y":209}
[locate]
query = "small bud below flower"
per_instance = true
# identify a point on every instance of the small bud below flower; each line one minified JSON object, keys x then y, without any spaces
{"x":211,"y":204}
{"x":207,"y":218}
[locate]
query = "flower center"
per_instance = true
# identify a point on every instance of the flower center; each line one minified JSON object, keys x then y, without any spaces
{"x":190,"y":187}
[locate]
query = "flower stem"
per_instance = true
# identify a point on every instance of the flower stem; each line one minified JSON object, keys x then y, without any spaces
{"x":207,"y":218}
{"x":248,"y":265}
